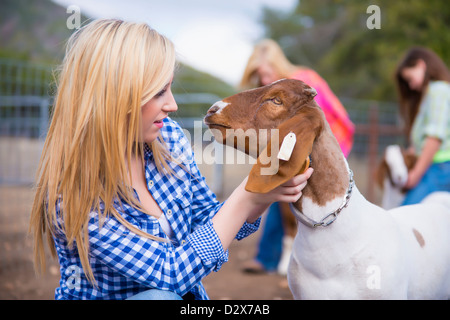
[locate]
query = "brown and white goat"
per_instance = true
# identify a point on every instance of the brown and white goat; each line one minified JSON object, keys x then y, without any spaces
{"x":345,"y":247}
{"x":392,"y":174}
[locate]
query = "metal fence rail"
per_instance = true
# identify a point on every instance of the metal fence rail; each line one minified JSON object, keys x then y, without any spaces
{"x":378,"y":125}
{"x":24,"y":98}
{"x":24,"y":114}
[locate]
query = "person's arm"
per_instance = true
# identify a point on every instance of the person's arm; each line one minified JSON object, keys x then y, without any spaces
{"x":424,"y":161}
{"x":197,"y":197}
{"x":162,"y":265}
{"x":247,"y":206}
{"x":437,"y":111}
{"x":243,"y":206}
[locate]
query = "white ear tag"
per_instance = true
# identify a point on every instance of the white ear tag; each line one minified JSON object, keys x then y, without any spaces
{"x":287,"y":146}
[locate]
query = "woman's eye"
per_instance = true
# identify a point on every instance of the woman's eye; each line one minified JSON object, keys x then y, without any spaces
{"x":161,"y":93}
{"x":277,"y":101}
{"x":164,"y":90}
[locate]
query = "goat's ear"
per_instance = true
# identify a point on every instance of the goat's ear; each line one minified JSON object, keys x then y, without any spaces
{"x":410,"y":160}
{"x":381,"y":172}
{"x":269,"y":172}
{"x":310,"y":92}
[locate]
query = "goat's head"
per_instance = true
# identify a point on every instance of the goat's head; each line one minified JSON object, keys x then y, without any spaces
{"x":285,"y":105}
{"x":395,"y":166}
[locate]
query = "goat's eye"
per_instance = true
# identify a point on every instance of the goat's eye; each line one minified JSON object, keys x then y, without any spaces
{"x":277,"y":101}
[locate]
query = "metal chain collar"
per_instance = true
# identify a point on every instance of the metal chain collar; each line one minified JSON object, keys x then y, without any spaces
{"x":331,"y":217}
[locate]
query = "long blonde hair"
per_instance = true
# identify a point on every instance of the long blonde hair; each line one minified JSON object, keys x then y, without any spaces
{"x":111,"y":68}
{"x":269,"y":52}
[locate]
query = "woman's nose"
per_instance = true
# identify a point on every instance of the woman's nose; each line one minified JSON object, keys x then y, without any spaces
{"x":171,"y":104}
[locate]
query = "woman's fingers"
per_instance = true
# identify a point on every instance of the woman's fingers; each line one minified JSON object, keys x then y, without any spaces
{"x":294,"y":189}
{"x":289,"y":198}
{"x":291,"y":190}
{"x":299,"y":179}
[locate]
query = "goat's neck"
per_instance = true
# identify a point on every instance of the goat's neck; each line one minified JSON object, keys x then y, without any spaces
{"x":330,"y":181}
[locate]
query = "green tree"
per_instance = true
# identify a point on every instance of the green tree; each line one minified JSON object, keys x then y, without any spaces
{"x":33,"y":35}
{"x":332,"y":37}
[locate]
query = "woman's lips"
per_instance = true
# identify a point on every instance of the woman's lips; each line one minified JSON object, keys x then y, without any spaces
{"x":159,"y":123}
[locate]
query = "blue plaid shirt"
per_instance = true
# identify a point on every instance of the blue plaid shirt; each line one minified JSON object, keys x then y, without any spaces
{"x":125,"y":264}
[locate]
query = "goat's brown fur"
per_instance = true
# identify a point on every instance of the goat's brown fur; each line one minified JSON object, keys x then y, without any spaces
{"x":288,"y":220}
{"x":382,"y":171}
{"x":289,"y":106}
{"x":306,"y":127}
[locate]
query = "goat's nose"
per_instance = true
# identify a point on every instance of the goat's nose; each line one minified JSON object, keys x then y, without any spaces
{"x":217,"y":107}
{"x":213,"y":109}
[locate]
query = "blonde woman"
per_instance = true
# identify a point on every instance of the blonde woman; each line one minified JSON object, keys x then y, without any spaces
{"x":119,"y":198}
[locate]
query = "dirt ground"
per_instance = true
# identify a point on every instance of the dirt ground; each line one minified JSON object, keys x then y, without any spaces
{"x":18,"y":162}
{"x":18,"y":280}
{"x":17,"y":277}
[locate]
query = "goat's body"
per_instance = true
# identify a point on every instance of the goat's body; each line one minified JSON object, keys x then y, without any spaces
{"x":371,"y":253}
{"x":392,"y":174}
{"x":368,"y":252}
{"x":393,"y":196}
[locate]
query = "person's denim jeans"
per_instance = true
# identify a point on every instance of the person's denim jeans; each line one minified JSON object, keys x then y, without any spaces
{"x":271,"y":242}
{"x":156,"y":294}
{"x":437,"y":178}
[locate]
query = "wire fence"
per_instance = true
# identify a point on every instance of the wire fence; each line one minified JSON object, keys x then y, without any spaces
{"x":24,"y":113}
{"x":25,"y":102}
{"x":378,"y":125}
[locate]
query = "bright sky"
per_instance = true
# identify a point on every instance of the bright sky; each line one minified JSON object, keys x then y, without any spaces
{"x":214,"y":36}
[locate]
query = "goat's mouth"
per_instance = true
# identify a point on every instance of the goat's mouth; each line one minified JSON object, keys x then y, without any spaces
{"x":217,"y":126}
{"x":214,"y":125}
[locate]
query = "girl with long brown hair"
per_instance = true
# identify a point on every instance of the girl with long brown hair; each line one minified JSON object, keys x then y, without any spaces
{"x":423,"y":82}
{"x":119,"y":197}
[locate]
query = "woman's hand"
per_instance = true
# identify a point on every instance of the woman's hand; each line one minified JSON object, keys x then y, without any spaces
{"x":431,"y":146}
{"x":243,"y":206}
{"x":413,"y":179}
{"x":290,"y":191}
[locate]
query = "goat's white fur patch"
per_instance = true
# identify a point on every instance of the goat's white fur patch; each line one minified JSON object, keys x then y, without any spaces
{"x":392,"y":196}
{"x":316,"y":212}
{"x":221,"y":105}
{"x":278,"y":81}
{"x":396,"y":163}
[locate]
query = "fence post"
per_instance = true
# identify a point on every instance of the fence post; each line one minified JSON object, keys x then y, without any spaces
{"x":373,"y":149}
{"x":43,"y":123}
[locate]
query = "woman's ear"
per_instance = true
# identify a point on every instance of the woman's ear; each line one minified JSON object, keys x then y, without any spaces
{"x":269,"y":171}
